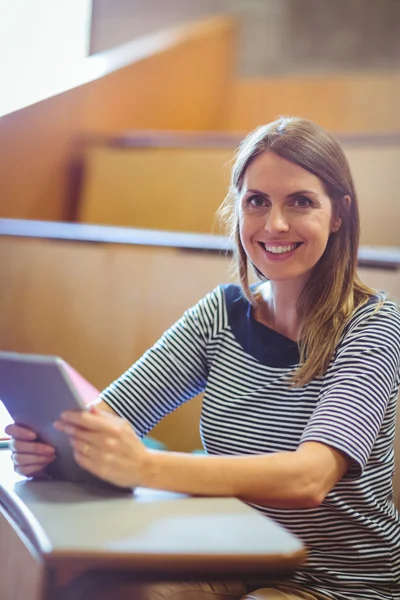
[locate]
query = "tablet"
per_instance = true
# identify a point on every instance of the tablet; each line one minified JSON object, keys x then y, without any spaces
{"x":36,"y":389}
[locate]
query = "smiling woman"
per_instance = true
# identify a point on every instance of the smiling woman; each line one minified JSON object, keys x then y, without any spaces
{"x":293,"y":211}
{"x":300,"y":374}
{"x":280,"y":223}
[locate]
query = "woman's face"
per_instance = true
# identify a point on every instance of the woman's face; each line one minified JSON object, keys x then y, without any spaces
{"x":285,"y":218}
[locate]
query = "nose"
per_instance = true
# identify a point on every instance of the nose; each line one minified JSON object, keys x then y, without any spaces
{"x":276,"y":221}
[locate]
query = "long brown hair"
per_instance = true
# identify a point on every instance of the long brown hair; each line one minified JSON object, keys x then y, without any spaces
{"x":333,"y":291}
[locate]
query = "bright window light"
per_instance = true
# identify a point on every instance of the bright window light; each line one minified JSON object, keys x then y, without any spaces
{"x":5,"y":420}
{"x":41,"y":42}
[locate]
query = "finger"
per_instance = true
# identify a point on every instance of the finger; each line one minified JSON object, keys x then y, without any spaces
{"x":21,"y":460}
{"x":94,"y":438}
{"x":85,"y":418}
{"x":96,"y":447}
{"x":69,"y":428}
{"x":82,"y":437}
{"x":91,"y":421}
{"x":19,"y":432}
{"x":84,"y":448}
{"x":96,"y":459}
{"x":31,"y":471}
{"x":31,"y":447}
{"x":101,"y":465}
{"x":87,"y":459}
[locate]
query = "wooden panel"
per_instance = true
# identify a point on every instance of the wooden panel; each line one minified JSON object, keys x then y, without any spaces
{"x":98,"y":297}
{"x":186,"y":87}
{"x":100,"y":306}
{"x":389,"y":281}
{"x":353,"y":102}
{"x":181,"y":188}
{"x":375,"y":172}
{"x":183,"y":87}
{"x":176,"y":189}
{"x":35,"y":143}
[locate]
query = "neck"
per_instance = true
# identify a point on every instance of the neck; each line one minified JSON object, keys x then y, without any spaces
{"x":280,"y":299}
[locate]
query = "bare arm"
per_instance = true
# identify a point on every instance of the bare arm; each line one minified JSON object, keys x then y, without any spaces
{"x":299,"y":479}
{"x":107,"y":446}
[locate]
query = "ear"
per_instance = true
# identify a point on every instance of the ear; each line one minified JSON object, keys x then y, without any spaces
{"x":338,"y":221}
{"x":347,"y":202}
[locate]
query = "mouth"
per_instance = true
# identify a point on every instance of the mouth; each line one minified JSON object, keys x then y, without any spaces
{"x":281,"y":249}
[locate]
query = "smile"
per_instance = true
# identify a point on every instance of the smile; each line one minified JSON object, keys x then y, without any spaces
{"x":274,"y":249}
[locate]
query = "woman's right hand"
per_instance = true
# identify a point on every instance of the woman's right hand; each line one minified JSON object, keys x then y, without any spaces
{"x":29,"y":456}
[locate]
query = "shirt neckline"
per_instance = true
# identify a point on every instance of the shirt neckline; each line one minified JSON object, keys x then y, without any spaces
{"x":260,"y":341}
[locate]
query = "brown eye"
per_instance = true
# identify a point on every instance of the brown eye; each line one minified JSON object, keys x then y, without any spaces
{"x":302,"y":202}
{"x":256,"y":201}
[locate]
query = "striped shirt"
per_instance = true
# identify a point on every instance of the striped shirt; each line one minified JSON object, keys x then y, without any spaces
{"x":249,"y":407}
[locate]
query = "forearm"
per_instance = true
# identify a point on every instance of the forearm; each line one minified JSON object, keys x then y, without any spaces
{"x":275,"y":480}
{"x":107,"y":446}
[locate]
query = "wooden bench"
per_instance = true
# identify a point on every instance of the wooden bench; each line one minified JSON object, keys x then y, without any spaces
{"x":177,"y":180}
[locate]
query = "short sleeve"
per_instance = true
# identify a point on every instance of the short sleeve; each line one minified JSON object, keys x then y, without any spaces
{"x":358,"y":386}
{"x":171,"y":372}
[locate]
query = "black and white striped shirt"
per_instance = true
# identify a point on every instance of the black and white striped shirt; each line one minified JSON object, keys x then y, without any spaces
{"x":249,"y":407}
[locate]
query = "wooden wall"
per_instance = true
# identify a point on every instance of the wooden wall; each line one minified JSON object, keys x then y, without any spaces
{"x":176,"y":189}
{"x":180,"y":188}
{"x":180,"y":80}
{"x":101,"y":305}
{"x":374,"y":170}
{"x":342,"y":103}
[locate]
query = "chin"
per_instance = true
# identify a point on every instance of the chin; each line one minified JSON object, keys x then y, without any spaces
{"x":277,"y":277}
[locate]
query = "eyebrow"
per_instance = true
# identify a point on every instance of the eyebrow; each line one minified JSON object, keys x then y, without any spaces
{"x":297,"y":193}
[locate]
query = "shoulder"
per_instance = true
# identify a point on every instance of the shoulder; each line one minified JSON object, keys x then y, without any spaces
{"x":379,"y":312}
{"x":375,"y":324}
{"x":213,"y":309}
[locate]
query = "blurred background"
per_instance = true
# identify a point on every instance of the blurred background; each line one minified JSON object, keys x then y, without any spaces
{"x":275,"y":37}
{"x":118,"y":122}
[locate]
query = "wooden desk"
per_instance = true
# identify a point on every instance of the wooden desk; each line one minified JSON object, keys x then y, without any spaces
{"x":51,"y":533}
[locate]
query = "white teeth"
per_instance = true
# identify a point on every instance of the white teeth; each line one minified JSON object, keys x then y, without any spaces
{"x":280,"y":249}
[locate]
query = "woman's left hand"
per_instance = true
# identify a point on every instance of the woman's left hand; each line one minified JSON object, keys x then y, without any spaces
{"x":105,"y":445}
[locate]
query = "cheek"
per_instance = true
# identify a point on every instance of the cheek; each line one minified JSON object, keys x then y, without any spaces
{"x":243,"y":225}
{"x":248,"y":223}
{"x":243,"y":233}
{"x":246,"y":235}
{"x":319,"y":227}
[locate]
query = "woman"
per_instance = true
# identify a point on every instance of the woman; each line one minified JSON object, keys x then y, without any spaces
{"x":300,"y":374}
